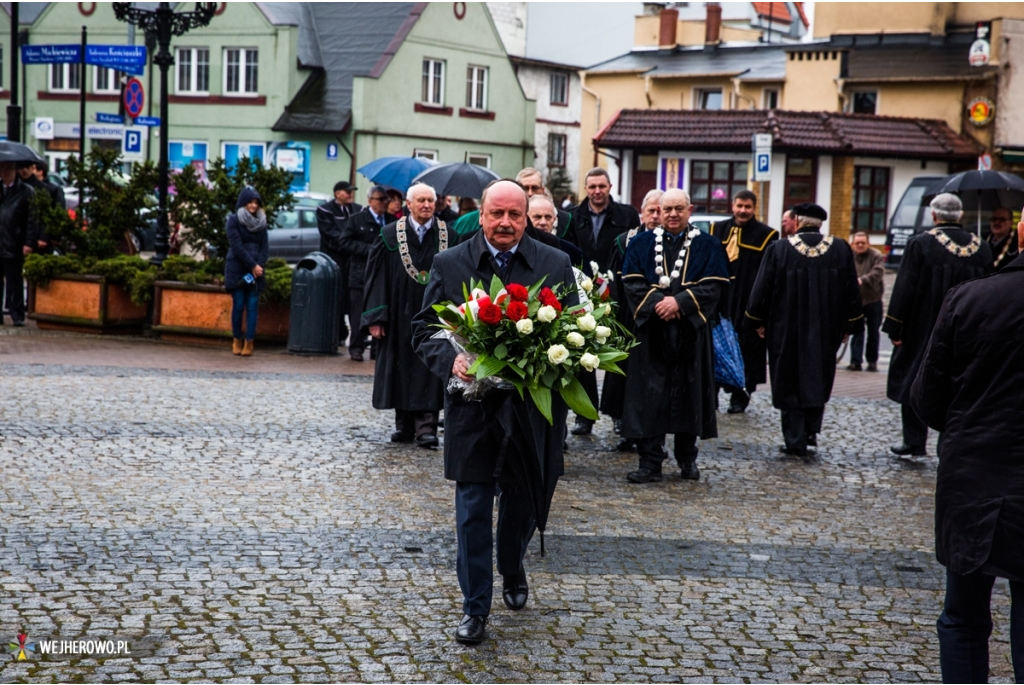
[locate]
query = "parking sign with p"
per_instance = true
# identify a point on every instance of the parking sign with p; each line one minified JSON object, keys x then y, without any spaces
{"x":131,"y":144}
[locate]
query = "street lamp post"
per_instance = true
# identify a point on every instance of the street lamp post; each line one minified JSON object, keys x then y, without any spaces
{"x":163,"y":23}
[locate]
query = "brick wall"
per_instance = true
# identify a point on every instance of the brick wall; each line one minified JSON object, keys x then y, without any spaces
{"x":840,"y":214}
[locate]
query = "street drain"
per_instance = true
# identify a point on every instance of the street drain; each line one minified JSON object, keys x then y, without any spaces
{"x":910,"y":569}
{"x":413,"y":550}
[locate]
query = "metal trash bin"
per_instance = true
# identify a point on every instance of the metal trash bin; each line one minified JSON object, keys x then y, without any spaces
{"x":313,"y":327}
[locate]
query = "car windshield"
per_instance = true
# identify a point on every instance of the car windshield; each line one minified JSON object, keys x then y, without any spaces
{"x":910,"y":205}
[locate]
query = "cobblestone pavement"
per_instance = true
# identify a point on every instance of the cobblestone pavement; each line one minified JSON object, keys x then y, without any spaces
{"x":254,"y":526}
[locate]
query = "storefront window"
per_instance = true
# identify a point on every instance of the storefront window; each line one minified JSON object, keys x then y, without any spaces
{"x":713,"y":185}
{"x":870,"y":198}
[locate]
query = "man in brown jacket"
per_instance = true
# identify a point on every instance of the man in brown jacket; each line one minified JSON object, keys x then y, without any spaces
{"x":870,"y":272}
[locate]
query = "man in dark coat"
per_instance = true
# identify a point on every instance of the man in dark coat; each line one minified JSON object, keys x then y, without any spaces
{"x":473,"y":437}
{"x":804,"y":302}
{"x":613,"y":391}
{"x":19,"y":236}
{"x":361,"y":231}
{"x":397,"y":272}
{"x":673,"y":277}
{"x":745,"y":239}
{"x":331,"y":217}
{"x":967,"y":388}
{"x":596,"y":222}
{"x":934,"y":261}
{"x":34,"y":175}
{"x":1002,"y":238}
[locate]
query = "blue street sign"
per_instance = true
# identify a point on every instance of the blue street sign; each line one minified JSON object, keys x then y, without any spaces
{"x":131,"y":144}
{"x":764,"y":162}
{"x":147,"y":121}
{"x":109,"y":118}
{"x":127,"y":58}
{"x":332,"y":152}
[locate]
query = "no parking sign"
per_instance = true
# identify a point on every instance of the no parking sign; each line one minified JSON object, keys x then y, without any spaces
{"x":134,"y":97}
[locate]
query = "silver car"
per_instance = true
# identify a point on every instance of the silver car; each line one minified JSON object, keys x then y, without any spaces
{"x":294,"y":233}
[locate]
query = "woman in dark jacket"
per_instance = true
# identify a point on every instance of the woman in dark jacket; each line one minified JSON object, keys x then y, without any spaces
{"x":243,"y":272}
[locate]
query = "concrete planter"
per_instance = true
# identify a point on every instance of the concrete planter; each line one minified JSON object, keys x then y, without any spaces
{"x":201,"y":314}
{"x":84,"y":304}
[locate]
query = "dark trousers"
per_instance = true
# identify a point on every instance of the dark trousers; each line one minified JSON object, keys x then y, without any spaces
{"x":652,"y":450}
{"x":12,"y":288}
{"x":797,"y":424}
{"x":359,"y":334}
{"x":872,"y":320}
{"x":966,"y":624}
{"x":474,"y":508}
{"x":415,"y":422}
{"x":244,"y":301}
{"x":915,"y":431}
{"x":588,"y":379}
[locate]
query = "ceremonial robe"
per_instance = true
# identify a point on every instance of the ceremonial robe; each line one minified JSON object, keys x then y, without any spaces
{"x":807,"y":304}
{"x":613,"y":391}
{"x":927,"y":272}
{"x":392,"y":298}
{"x":671,"y":387}
{"x":1004,"y":251}
{"x":745,"y":248}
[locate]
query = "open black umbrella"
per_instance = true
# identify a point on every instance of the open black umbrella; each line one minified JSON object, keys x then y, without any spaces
{"x":17,"y":152}
{"x":982,"y":190}
{"x":460,"y":178}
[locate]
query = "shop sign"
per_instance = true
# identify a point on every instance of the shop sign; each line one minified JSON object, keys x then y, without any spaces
{"x":980,"y":111}
{"x":981,"y":49}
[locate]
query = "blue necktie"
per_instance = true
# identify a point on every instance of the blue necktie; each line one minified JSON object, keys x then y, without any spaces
{"x":503,"y":259}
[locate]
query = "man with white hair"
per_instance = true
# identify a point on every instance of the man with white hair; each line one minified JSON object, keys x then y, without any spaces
{"x":673,"y":277}
{"x":397,"y":272}
{"x":933,"y":262}
{"x":805,"y":300}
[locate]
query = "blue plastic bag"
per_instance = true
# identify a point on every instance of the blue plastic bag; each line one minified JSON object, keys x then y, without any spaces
{"x":728,"y":357}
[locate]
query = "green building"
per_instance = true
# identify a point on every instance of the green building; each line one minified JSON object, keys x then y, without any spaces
{"x":318,"y":88}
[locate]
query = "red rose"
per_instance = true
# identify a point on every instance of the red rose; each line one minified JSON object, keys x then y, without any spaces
{"x":489,"y":313}
{"x":519,"y":293}
{"x":516,"y":311}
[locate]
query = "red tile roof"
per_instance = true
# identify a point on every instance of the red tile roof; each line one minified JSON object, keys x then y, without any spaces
{"x":777,"y":10}
{"x":822,"y":132}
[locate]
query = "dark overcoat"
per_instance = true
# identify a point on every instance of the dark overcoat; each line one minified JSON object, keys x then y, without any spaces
{"x":969,"y":388}
{"x":17,"y":228}
{"x":472,"y":437}
{"x":807,"y":304}
{"x":927,"y":272}
{"x":751,"y":240}
{"x":246,"y":248}
{"x":619,"y":218}
{"x":357,"y":238}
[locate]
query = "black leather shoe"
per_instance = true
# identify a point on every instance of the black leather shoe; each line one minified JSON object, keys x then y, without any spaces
{"x":399,"y":436}
{"x":690,"y":471}
{"x":738,"y":403}
{"x":872,"y":366}
{"x":625,"y":445}
{"x":583,"y":427}
{"x":427,"y":440}
{"x":617,"y":426}
{"x":471,"y":630}
{"x":905,"y":450}
{"x":644,"y":475}
{"x":812,"y":439}
{"x":355,"y":355}
{"x":854,"y":367}
{"x":515,"y":591}
{"x":792,"y":451}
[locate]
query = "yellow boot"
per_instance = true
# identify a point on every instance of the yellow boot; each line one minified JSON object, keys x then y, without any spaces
{"x":247,"y":349}
{"x":236,"y":346}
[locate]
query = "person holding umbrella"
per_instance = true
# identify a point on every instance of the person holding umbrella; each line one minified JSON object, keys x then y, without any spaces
{"x":477,"y":434}
{"x":19,"y":236}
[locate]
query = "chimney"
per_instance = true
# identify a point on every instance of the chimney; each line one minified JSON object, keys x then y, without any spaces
{"x":669,"y":19}
{"x":713,"y":24}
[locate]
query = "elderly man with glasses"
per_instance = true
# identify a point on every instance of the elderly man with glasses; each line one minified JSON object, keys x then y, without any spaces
{"x":1002,"y":238}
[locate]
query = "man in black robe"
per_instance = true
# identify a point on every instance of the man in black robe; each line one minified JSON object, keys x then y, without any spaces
{"x":933,"y":262}
{"x":473,"y":438}
{"x":396,"y":277}
{"x":357,"y":238}
{"x":1002,"y":238}
{"x":804,"y":302}
{"x":967,"y":388}
{"x":745,"y":239}
{"x":613,"y":392}
{"x":673,"y":277}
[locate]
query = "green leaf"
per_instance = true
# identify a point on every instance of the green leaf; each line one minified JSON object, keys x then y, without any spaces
{"x":612,"y":367}
{"x":496,"y":286}
{"x":549,"y":377}
{"x":516,"y":370}
{"x":447,"y":315}
{"x":541,"y":397}
{"x":522,"y":363}
{"x":486,"y":366}
{"x":576,"y":397}
{"x":501,"y":351}
{"x":612,"y":356}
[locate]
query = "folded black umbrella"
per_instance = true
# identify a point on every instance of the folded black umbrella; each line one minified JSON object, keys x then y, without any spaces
{"x":17,"y":152}
{"x":462,"y":179}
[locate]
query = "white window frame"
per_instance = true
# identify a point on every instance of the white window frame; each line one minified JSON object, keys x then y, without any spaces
{"x":698,"y":97}
{"x":479,"y":157}
{"x":766,"y":94}
{"x":437,"y":65}
{"x":193,"y":71}
{"x":115,"y":81}
{"x":559,"y":75}
{"x":243,"y":54}
{"x":421,"y":153}
{"x":473,"y":73}
{"x":65,"y":68}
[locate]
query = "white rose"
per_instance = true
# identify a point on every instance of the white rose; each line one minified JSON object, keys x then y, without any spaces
{"x":524,"y":326}
{"x":557,"y":354}
{"x":586,"y":322}
{"x":587,"y":284}
{"x":546,"y":314}
{"x":602,"y":333}
{"x":575,"y":339}
{"x":589,"y":361}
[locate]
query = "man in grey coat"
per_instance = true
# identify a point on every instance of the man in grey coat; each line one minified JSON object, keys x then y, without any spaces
{"x":473,"y":437}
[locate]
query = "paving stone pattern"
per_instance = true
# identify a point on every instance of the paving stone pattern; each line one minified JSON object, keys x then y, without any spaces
{"x":256,"y":527}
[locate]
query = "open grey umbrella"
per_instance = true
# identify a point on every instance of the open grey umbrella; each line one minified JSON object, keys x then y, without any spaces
{"x":461,"y":178}
{"x":17,"y":152}
{"x":982,"y":190}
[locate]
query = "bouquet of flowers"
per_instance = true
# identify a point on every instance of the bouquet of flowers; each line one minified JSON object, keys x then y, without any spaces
{"x":521,"y":337}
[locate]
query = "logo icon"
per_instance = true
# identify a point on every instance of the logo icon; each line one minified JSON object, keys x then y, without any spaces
{"x":980,"y":111}
{"x":21,"y":647}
